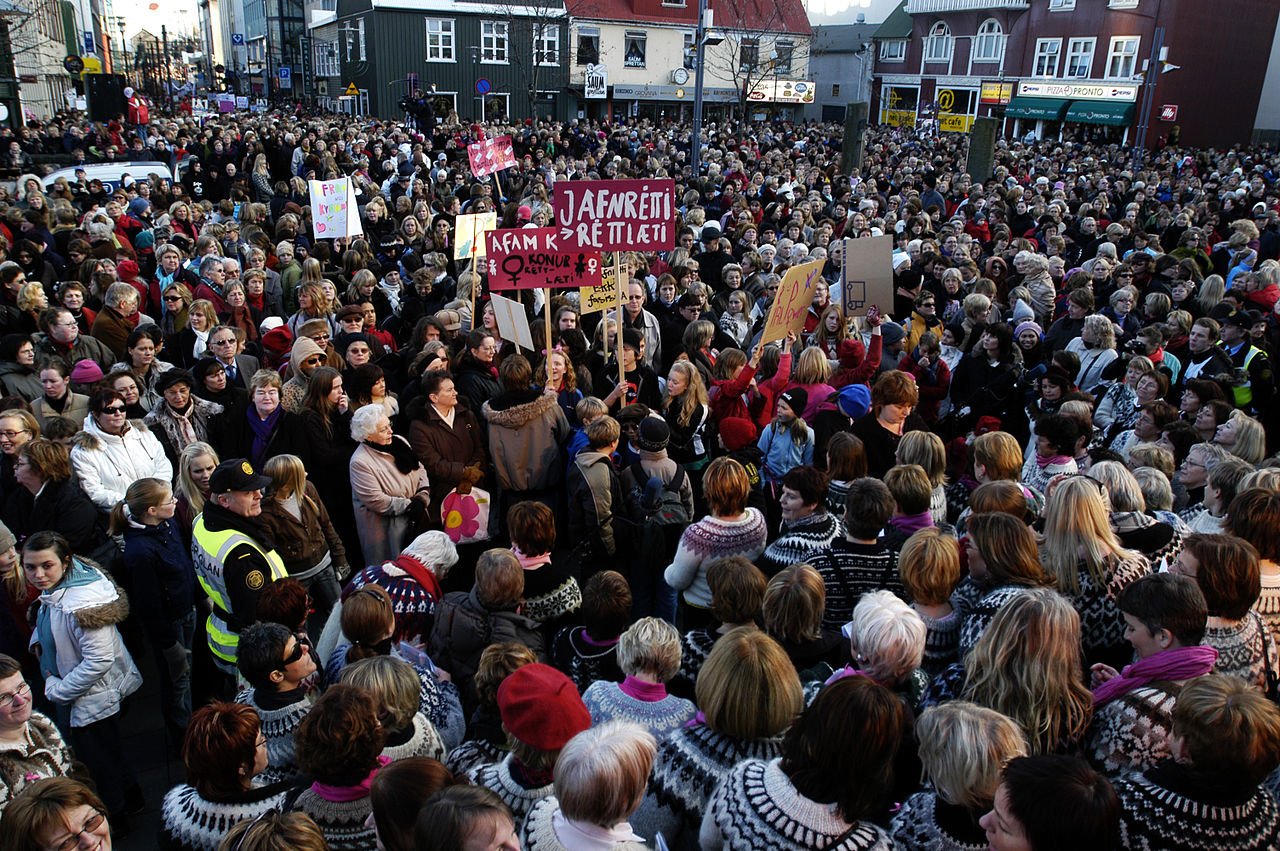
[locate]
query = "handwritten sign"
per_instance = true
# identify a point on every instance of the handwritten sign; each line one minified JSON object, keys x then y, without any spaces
{"x":529,"y":258}
{"x":469,"y":234}
{"x":603,"y":297}
{"x":333,"y":208}
{"x":867,"y":276}
{"x":513,"y":322}
{"x":791,"y":304}
{"x":616,"y":215}
{"x":490,"y":155}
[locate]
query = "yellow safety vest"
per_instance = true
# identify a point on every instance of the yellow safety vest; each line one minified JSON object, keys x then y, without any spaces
{"x":1243,"y":394}
{"x":209,"y":552}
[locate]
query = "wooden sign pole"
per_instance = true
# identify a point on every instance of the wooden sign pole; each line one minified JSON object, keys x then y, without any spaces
{"x":546,"y":312}
{"x":475,"y":278}
{"x":617,"y":277}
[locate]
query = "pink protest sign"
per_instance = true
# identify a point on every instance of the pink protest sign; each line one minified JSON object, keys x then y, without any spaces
{"x":490,"y":155}
{"x":616,"y":215}
{"x":529,"y":258}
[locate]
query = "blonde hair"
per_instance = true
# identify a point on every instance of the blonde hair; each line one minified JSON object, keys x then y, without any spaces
{"x":925,"y":449}
{"x":890,"y":636}
{"x":288,"y":477}
{"x":963,"y":750}
{"x":601,"y":774}
{"x":812,"y":368}
{"x":694,"y":397}
{"x":1078,"y":528}
{"x":187,"y":485}
{"x":650,"y":645}
{"x":393,"y":684}
{"x":1027,"y":666}
{"x":142,"y":495}
{"x":748,"y":687}
{"x":929,"y":566}
{"x":1251,"y":440}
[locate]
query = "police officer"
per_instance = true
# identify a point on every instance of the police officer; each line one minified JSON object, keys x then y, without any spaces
{"x":233,"y":558}
{"x":1253,"y":384}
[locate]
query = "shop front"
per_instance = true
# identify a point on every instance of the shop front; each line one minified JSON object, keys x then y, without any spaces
{"x":672,"y":102}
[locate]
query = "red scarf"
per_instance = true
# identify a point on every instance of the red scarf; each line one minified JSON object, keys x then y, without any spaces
{"x":421,"y":574}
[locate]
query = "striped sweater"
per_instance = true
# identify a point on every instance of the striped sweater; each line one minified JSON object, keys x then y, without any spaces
{"x":1168,"y":809}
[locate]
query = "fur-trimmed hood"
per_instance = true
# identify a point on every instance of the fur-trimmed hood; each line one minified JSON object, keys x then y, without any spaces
{"x":520,"y":414}
{"x":92,"y":438}
{"x":95,"y":605}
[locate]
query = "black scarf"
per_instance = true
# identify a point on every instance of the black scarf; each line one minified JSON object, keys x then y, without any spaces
{"x":400,"y":452}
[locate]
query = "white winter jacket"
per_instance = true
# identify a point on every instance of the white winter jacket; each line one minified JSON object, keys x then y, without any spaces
{"x":106,"y":464}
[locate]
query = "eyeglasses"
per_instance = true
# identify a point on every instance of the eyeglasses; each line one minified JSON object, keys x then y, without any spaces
{"x":224,"y":342}
{"x":23,"y":690}
{"x":320,"y":338}
{"x":314,"y":361}
{"x":114,"y":409}
{"x":73,"y":841}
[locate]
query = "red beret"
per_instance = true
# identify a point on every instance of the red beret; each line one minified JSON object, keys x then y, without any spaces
{"x":541,"y":707}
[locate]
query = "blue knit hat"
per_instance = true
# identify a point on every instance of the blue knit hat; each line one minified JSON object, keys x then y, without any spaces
{"x":854,"y":400}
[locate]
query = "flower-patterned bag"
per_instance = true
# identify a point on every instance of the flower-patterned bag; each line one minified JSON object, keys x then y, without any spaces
{"x":465,"y":514}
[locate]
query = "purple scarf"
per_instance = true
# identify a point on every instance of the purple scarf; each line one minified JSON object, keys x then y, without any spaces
{"x":912,"y":523}
{"x":262,"y":430}
{"x":339,"y":794}
{"x":1178,"y":663}
{"x":640,"y":690}
{"x":1052,"y":459}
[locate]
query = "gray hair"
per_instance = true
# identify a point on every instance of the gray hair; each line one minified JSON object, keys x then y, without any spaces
{"x":434,"y":549}
{"x":1157,"y":493}
{"x":364,"y":421}
{"x":208,"y":262}
{"x":1124,"y":489}
{"x":889,"y":635}
{"x":120,"y":293}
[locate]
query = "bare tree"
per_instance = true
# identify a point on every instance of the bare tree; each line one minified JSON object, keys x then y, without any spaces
{"x":757,"y":45}
{"x":537,"y":32}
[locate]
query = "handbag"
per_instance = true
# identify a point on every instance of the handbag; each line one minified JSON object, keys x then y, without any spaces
{"x":465,"y":514}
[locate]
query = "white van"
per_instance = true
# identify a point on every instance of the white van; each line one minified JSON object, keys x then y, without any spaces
{"x":111,"y":173}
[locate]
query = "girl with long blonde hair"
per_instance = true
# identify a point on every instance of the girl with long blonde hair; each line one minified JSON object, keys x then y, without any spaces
{"x":688,"y":413}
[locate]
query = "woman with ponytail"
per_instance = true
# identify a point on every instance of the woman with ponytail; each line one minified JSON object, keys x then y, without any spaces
{"x":163,"y":586}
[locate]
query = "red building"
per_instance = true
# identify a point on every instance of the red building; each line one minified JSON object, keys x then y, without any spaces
{"x":1073,"y":68}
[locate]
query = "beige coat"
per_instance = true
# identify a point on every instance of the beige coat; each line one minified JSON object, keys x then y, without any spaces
{"x":381,"y":496}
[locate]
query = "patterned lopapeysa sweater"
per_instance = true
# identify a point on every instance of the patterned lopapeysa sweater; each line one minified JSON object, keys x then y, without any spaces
{"x":709,"y":539}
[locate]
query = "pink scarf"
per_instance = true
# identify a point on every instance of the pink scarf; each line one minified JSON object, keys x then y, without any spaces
{"x":1178,"y":663}
{"x":1053,"y":459}
{"x":339,"y":794}
{"x":531,"y":562}
{"x":640,"y":690}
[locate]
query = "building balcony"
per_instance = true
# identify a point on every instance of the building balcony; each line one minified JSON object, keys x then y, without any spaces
{"x":934,"y":7}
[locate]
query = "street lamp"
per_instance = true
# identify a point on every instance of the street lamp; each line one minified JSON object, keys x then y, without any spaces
{"x":124,"y":49}
{"x":701,"y":41}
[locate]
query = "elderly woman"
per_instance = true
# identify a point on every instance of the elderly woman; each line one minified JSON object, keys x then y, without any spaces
{"x":963,"y":748}
{"x":807,"y":526}
{"x":112,"y":452}
{"x":50,"y":500}
{"x":893,"y":401}
{"x":749,"y":694}
{"x":806,"y":797}
{"x":118,"y":318}
{"x":445,"y":436}
{"x":1137,"y":530}
{"x":264,"y":429}
{"x":1118,"y":408}
{"x":649,"y":655}
{"x":141,"y":348}
{"x":600,"y":779}
{"x":339,"y":746}
{"x":16,"y":428}
{"x":389,"y":486}
{"x":394,"y":685}
{"x":33,"y":746}
{"x":886,"y":641}
{"x":58,"y":399}
{"x":179,"y":418}
{"x":224,"y":752}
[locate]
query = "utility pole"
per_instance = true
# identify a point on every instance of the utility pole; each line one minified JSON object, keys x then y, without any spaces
{"x":700,"y":35}
{"x":168,"y":89}
{"x":1149,"y":80}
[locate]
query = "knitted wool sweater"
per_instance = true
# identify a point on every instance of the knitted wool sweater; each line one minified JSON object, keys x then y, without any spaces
{"x":1245,"y":649}
{"x":472,"y":754}
{"x":608,"y":702}
{"x":497,"y":778}
{"x":758,"y":807}
{"x":1268,"y":605}
{"x":423,"y":741}
{"x":695,"y":647}
{"x":848,"y":571}
{"x":44,"y":754}
{"x":978,"y":617}
{"x":709,"y":539}
{"x":341,"y":822}
{"x":583,"y":659}
{"x":550,"y":594}
{"x":189,"y":822}
{"x":1132,"y":732}
{"x":1101,"y":624}
{"x":539,"y":832}
{"x":799,"y":540}
{"x":1168,"y":809}
{"x":278,"y":726}
{"x":918,"y":826}
{"x":941,"y":641}
{"x":686,"y":769}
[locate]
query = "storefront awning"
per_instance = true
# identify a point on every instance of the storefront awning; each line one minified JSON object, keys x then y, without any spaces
{"x":1044,"y":109}
{"x":1117,"y":114}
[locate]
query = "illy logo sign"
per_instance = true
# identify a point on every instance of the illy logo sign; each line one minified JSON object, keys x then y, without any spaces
{"x":1169,"y":112}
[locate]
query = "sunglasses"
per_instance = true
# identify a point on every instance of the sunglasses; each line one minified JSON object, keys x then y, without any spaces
{"x":114,"y":409}
{"x":314,"y":361}
{"x":298,"y":649}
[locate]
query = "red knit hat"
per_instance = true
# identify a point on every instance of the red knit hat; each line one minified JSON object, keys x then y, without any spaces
{"x":540,"y":706}
{"x":986,"y":424}
{"x":737,"y":432}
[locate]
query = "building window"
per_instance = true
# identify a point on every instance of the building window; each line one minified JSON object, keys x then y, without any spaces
{"x":784,"y":50}
{"x":988,"y":46}
{"x":440,"y":40}
{"x":690,"y":55}
{"x":893,"y":50}
{"x":1123,"y":4}
{"x":493,"y":41}
{"x":835,"y":90}
{"x":325,"y":54}
{"x":1122,"y":59}
{"x":634,"y":51}
{"x":1080,"y":57}
{"x":680,"y":3}
{"x":1061,"y":5}
{"x":1047,"y":50}
{"x":546,"y":44}
{"x":937,"y":47}
{"x":749,"y":53}
{"x":352,"y":33}
{"x":588,"y":45}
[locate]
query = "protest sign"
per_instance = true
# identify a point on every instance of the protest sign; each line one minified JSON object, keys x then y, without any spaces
{"x":513,"y":322}
{"x":867,"y":276}
{"x":529,"y":258}
{"x":334,"y":212}
{"x":603,"y":297}
{"x":791,"y":304}
{"x":468,"y":234}
{"x":616,"y":215}
{"x":490,"y":155}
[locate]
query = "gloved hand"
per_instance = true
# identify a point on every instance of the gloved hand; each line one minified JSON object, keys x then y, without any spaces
{"x":175,"y":656}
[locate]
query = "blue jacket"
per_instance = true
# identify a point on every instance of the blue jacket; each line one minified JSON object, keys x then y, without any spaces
{"x":782,"y":454}
{"x":163,"y":578}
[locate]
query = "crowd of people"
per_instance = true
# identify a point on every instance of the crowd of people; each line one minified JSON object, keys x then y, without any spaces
{"x":996,"y":564}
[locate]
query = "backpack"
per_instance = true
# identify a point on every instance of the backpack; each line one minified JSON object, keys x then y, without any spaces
{"x":658,"y":530}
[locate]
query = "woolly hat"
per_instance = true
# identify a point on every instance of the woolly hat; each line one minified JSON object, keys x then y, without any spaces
{"x":139,"y":207}
{"x":7,"y":538}
{"x":167,"y":379}
{"x":525,"y":213}
{"x":892,"y":333}
{"x":144,"y":241}
{"x":1028,"y":326}
{"x":344,"y":340}
{"x":737,"y":432}
{"x":654,"y":435}
{"x":985,"y":425}
{"x":275,"y":345}
{"x":1057,"y":375}
{"x":854,"y":400}
{"x":350,"y":311}
{"x":797,"y":399}
{"x":127,"y":270}
{"x":435,"y":550}
{"x":541,"y":707}
{"x":86,"y":372}
{"x":1022,"y":311}
{"x":710,"y":231}
{"x":450,"y":319}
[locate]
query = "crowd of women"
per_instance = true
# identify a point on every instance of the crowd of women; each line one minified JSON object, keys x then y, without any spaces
{"x":993,"y":565}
